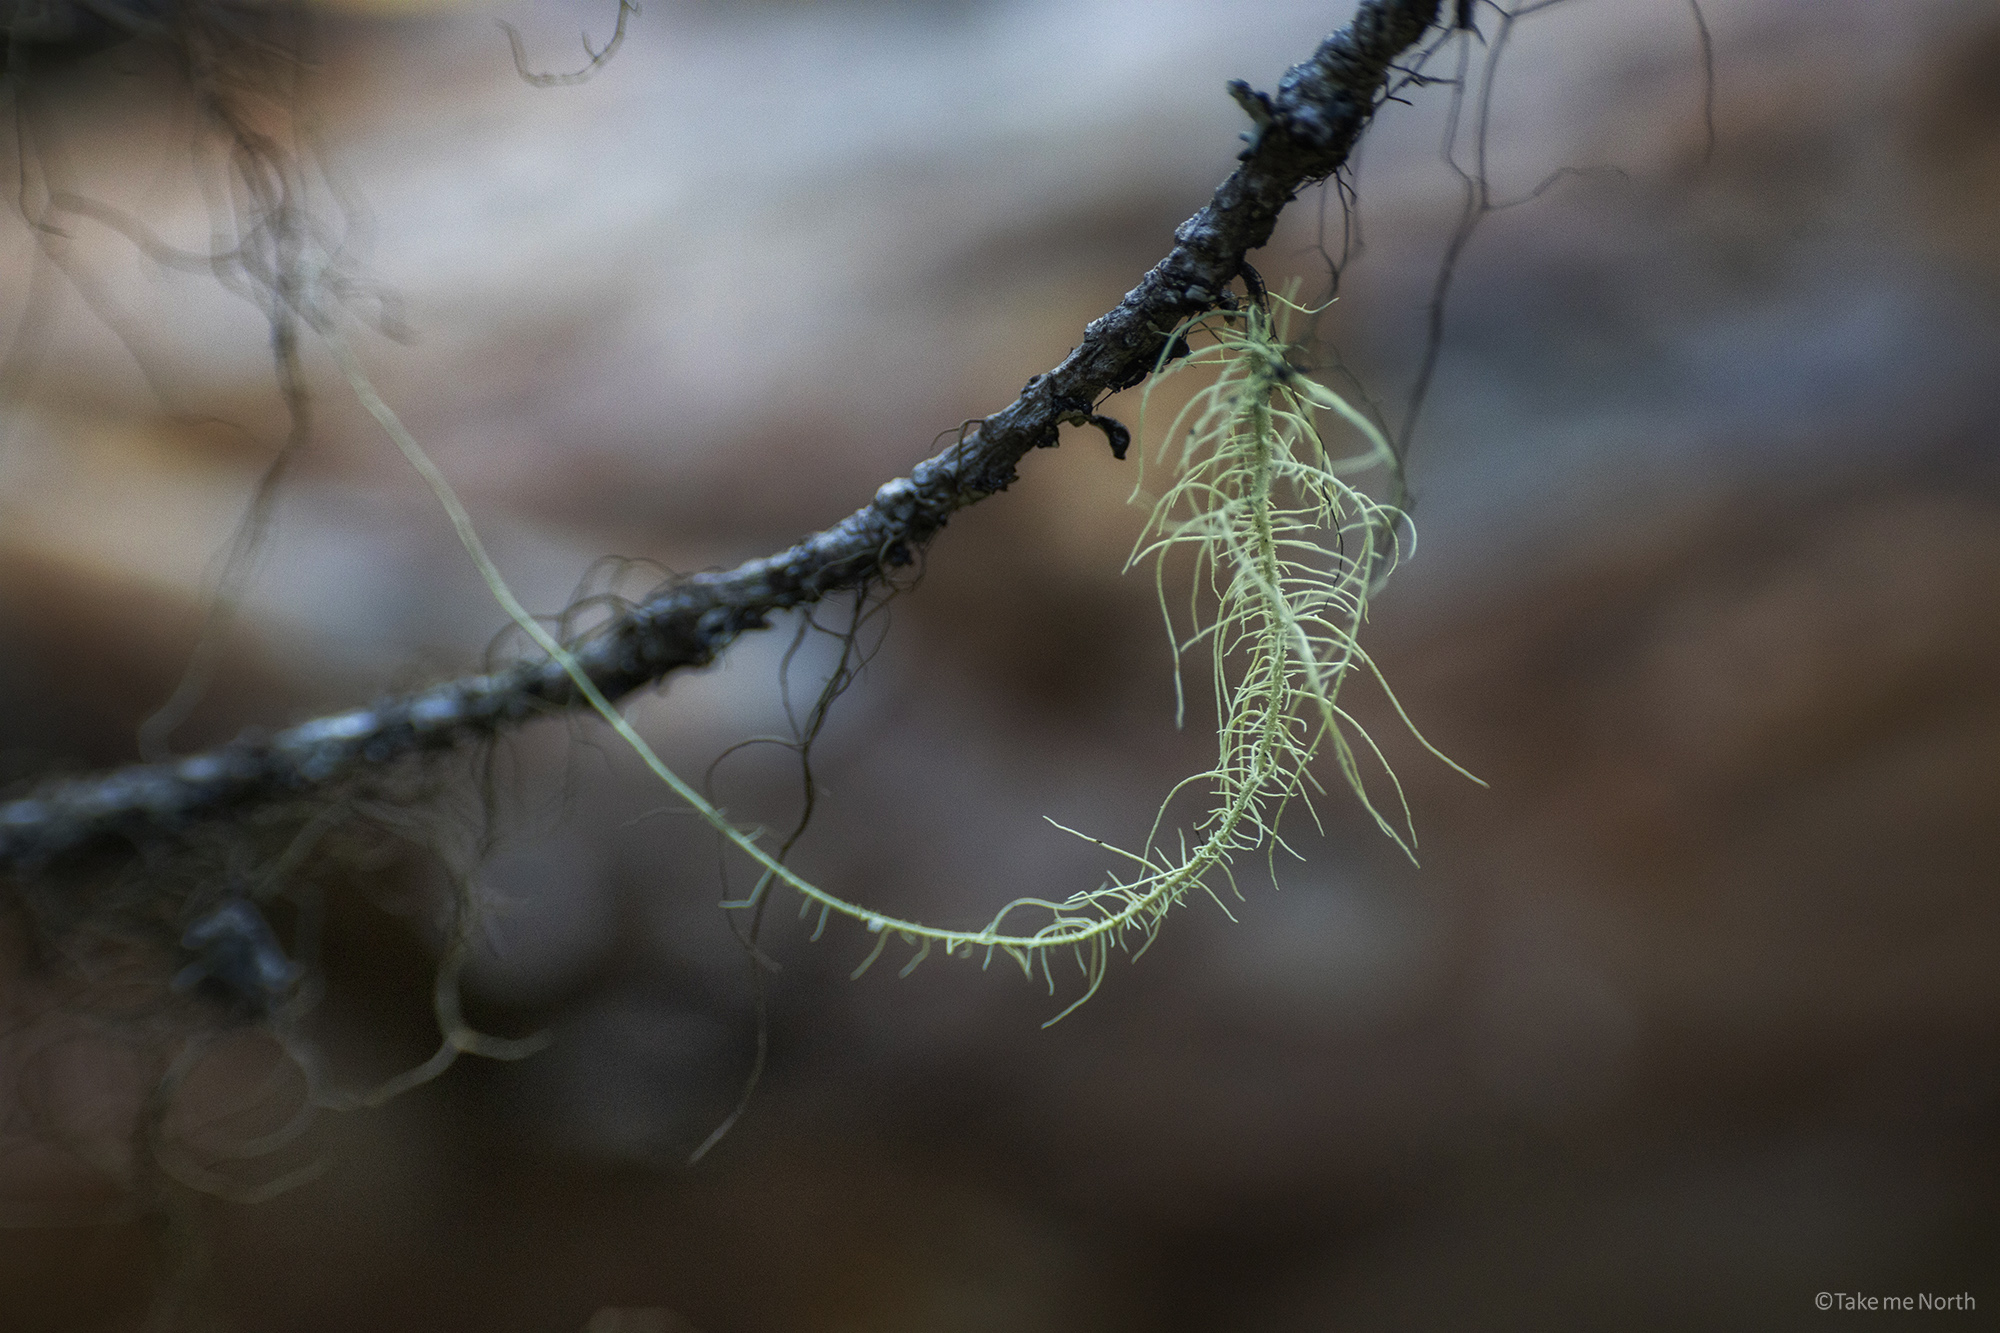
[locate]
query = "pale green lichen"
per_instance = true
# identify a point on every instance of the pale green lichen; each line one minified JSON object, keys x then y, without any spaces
{"x":1286,"y":553}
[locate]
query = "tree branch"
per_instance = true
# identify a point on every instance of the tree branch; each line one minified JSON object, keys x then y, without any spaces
{"x":1303,"y":134}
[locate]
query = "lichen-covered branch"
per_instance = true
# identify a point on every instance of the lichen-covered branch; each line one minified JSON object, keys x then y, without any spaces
{"x":1303,"y":134}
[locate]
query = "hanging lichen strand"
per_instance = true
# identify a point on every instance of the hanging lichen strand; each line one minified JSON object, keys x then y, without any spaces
{"x":1285,"y":554}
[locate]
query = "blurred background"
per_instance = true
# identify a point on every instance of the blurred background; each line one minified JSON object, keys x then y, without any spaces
{"x":1689,"y":1015}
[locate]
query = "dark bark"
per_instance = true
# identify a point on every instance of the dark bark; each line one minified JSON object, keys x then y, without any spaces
{"x":1303,"y":134}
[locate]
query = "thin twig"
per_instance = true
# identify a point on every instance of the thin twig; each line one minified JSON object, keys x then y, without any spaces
{"x":598,"y":59}
{"x":1306,"y":132}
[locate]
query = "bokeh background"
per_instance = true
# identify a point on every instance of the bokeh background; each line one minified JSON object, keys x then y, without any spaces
{"x":1689,"y":1015}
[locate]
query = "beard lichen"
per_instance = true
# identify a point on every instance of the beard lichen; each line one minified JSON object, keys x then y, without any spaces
{"x":1287,"y":553}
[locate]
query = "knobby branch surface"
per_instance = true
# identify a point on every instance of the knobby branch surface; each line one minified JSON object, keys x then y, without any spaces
{"x":1303,"y":134}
